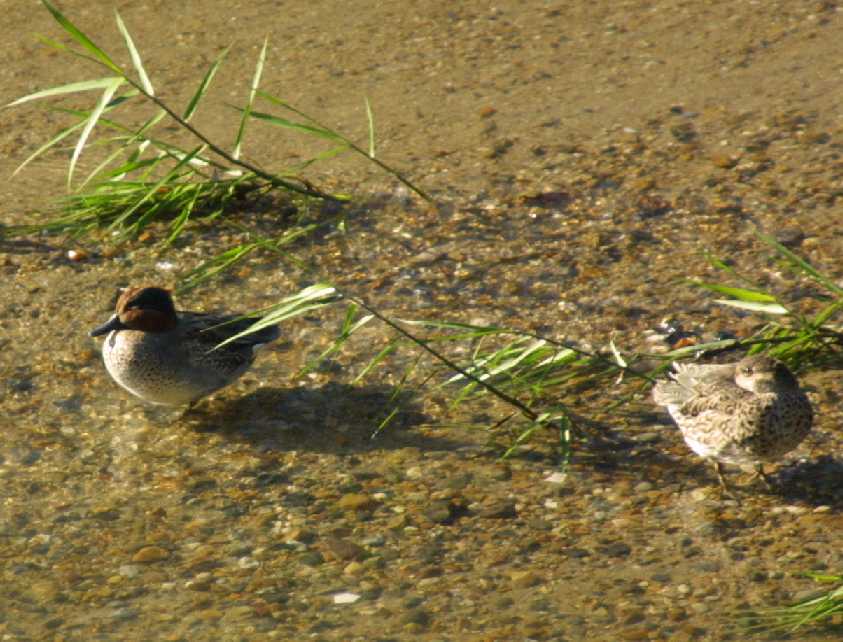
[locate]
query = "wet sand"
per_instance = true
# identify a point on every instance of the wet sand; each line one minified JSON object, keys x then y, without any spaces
{"x":583,"y":157}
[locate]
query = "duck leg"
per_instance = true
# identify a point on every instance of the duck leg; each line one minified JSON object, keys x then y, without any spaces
{"x":724,"y":487}
{"x":718,"y":469}
{"x":765,"y":478}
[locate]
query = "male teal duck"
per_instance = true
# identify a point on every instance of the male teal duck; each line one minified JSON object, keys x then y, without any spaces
{"x":168,"y":357}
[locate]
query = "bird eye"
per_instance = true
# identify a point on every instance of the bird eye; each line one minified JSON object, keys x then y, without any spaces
{"x":747,"y":370}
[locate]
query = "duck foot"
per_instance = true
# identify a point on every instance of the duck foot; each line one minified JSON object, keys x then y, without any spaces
{"x":764,"y":477}
{"x":725,"y":490}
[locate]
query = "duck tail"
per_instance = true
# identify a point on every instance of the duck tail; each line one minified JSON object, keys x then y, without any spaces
{"x":670,"y":393}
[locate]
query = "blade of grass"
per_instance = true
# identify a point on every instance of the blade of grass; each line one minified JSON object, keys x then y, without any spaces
{"x":400,"y":177}
{"x":135,"y":55}
{"x":312,"y":130}
{"x":754,"y":306}
{"x":370,"y":118}
{"x":84,"y":85}
{"x":90,"y":123}
{"x":151,"y":192}
{"x":802,"y":264}
{"x":348,"y":328}
{"x":309,"y":299}
{"x":256,"y":79}
{"x":203,"y":86}
{"x":64,"y":133}
{"x":389,"y":349}
{"x":81,"y":38}
{"x":741,"y":294}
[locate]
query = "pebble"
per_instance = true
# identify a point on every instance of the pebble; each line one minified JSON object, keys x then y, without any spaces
{"x":503,"y":509}
{"x":343,"y":549}
{"x":556,"y":478}
{"x":150,"y":554}
{"x":346,"y":597}
{"x":524,"y":579}
{"x":354,"y":568}
{"x":439,"y":512}
{"x":357,"y":502}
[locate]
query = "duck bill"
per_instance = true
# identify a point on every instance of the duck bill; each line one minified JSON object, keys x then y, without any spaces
{"x":113,"y":323}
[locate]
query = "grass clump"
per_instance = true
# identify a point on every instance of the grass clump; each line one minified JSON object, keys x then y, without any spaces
{"x":821,"y":608}
{"x":146,"y":176}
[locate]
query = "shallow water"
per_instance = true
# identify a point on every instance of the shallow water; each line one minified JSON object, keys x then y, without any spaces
{"x":570,"y":202}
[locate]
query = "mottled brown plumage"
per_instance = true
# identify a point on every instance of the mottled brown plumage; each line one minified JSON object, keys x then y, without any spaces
{"x":750,"y":412}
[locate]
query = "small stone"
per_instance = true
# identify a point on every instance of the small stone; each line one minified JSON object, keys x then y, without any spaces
{"x":353,"y":569}
{"x":556,"y":478}
{"x":438,"y":512}
{"x":346,"y":598}
{"x":418,"y":617}
{"x":312,"y":558}
{"x":77,"y":255}
{"x":357,"y":502}
{"x":398,"y":522}
{"x":524,"y":579}
{"x":149,"y":554}
{"x":791,"y":237}
{"x":725,"y":159}
{"x":343,"y":549}
{"x":504,"y":509}
{"x":616,"y":549}
{"x":700,"y":494}
{"x":302,"y":535}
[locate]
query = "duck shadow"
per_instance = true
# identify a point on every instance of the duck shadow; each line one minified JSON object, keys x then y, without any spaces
{"x":818,"y":482}
{"x":334,"y":418}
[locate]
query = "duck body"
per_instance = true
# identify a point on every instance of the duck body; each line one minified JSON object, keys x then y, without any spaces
{"x":748,"y":412}
{"x":171,"y":357}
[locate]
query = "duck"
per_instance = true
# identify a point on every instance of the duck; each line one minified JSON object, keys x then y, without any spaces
{"x":744,"y":413}
{"x":171,"y":357}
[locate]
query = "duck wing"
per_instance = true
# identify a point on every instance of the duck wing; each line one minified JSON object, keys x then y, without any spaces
{"x":214,"y":329}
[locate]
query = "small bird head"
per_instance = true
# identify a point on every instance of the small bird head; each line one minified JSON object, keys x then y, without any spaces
{"x":149,"y":309}
{"x":761,"y":373}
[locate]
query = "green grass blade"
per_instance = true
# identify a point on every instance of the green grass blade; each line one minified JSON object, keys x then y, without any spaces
{"x":370,"y":118}
{"x":89,"y":125}
{"x":151,"y":191}
{"x":313,"y":130}
{"x":349,"y":327}
{"x":741,"y":294}
{"x":390,"y":348}
{"x":181,"y":220}
{"x":81,"y":38}
{"x":309,"y":299}
{"x":318,"y":126}
{"x":203,"y":86}
{"x":108,"y":160}
{"x":64,"y":133}
{"x":85,"y":85}
{"x":754,"y":306}
{"x":256,"y":80}
{"x":133,"y":52}
{"x":801,"y":263}
{"x":826,"y":313}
